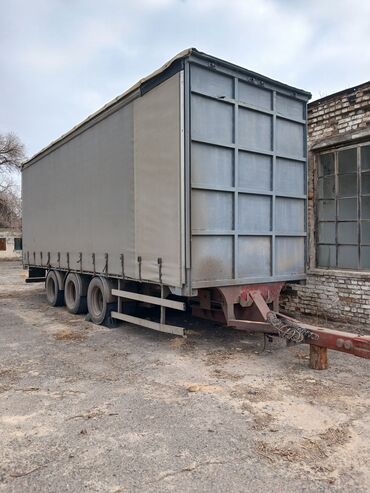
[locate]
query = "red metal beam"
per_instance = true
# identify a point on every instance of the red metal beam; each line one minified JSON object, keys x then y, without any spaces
{"x":346,"y":342}
{"x":337,"y":340}
{"x":246,"y":308}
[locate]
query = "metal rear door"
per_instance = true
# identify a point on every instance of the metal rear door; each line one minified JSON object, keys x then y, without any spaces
{"x":247,"y":178}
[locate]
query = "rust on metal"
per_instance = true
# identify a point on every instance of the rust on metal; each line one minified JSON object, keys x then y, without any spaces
{"x":233,"y":306}
{"x":346,"y":342}
{"x":252,"y":308}
{"x":336,"y":340}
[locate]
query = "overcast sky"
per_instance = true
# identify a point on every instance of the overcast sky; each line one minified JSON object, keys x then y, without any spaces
{"x":60,"y":60}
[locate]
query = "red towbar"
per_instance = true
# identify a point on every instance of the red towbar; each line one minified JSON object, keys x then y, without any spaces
{"x":319,"y":337}
{"x":255,"y":308}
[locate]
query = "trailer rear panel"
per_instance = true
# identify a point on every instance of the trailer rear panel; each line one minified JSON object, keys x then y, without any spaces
{"x":248,"y":178}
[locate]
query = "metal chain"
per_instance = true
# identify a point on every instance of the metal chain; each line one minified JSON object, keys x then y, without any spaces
{"x":290,"y":330}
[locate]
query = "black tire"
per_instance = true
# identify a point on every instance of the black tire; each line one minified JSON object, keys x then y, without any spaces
{"x":54,"y":295}
{"x":100,"y":302}
{"x":75,"y":291}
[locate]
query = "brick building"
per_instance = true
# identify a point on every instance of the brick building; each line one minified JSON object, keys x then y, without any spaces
{"x":338,"y":281}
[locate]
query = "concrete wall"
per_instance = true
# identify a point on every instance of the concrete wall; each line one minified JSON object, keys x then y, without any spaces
{"x":334,"y":121}
{"x":9,"y":236}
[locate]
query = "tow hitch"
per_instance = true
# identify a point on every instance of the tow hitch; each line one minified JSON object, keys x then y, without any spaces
{"x":254,"y":308}
{"x":320,"y":339}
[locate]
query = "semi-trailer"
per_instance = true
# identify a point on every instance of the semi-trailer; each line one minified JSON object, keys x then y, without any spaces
{"x":189,"y":189}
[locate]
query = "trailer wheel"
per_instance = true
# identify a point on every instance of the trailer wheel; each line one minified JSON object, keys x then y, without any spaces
{"x":100,"y":302}
{"x":54,"y":293}
{"x":75,"y":291}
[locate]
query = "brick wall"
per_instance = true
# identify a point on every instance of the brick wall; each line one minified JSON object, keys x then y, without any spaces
{"x":340,"y":119}
{"x":339,"y":114}
{"x":332,"y":295}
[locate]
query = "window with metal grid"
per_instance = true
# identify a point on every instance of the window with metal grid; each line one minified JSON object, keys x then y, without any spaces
{"x":343,"y":208}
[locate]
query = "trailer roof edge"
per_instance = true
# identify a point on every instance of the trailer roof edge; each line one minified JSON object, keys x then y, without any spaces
{"x":145,"y":80}
{"x":244,"y":70}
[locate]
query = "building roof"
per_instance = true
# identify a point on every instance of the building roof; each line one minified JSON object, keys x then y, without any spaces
{"x":343,"y":92}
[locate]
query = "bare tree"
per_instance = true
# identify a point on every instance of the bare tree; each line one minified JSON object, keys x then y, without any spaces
{"x":11,"y":157}
{"x":11,"y":152}
{"x":10,"y":210}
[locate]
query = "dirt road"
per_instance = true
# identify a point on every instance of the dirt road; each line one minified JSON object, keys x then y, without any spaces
{"x":86,"y":408}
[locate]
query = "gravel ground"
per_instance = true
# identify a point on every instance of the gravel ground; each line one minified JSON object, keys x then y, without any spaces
{"x":87,"y":408}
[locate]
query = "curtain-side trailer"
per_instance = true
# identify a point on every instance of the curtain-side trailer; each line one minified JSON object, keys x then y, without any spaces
{"x":191,"y":186}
